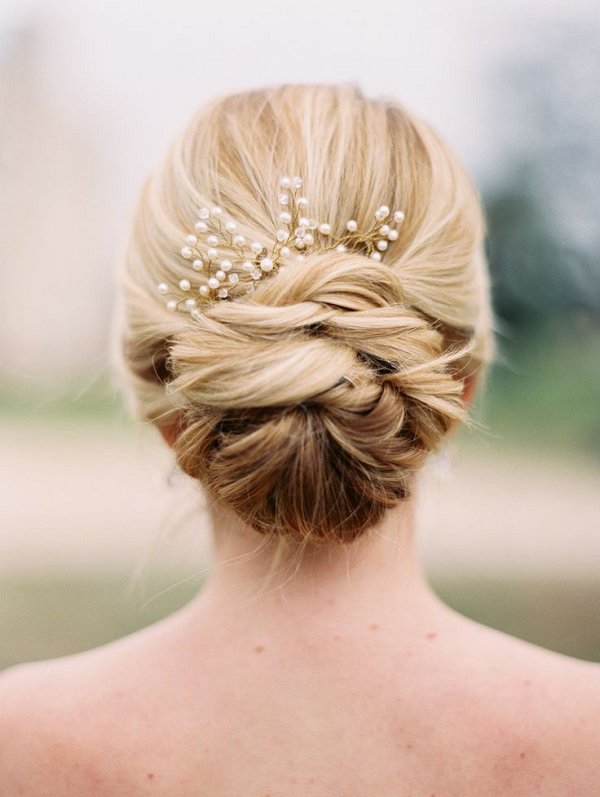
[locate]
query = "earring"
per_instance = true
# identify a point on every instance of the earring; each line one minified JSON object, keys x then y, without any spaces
{"x":174,"y":475}
{"x":442,"y":464}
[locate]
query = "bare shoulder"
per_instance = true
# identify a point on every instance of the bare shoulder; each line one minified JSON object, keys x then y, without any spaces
{"x":567,"y":722}
{"x":545,"y":708}
{"x":59,"y":724}
{"x":71,"y":725}
{"x":569,"y":696}
{"x":562,"y":683}
{"x":26,"y":745}
{"x":37,"y":750}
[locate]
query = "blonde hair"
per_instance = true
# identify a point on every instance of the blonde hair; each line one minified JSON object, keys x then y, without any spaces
{"x":306,"y":406}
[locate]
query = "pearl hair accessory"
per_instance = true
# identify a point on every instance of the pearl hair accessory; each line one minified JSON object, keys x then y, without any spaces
{"x":225,"y":265}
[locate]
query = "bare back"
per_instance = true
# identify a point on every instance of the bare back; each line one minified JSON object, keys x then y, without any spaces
{"x":449,"y":708}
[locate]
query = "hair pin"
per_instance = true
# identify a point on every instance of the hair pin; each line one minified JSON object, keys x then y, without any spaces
{"x":226,"y":265}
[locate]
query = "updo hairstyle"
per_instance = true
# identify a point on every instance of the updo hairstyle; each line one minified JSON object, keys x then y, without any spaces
{"x":307,"y":405}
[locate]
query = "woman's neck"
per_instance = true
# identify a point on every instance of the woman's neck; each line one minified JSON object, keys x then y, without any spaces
{"x":378,"y":575}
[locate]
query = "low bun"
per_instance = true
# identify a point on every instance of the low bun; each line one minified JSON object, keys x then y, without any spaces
{"x":307,"y":407}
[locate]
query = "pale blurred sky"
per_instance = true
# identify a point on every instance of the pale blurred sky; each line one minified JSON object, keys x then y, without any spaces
{"x":142,"y":67}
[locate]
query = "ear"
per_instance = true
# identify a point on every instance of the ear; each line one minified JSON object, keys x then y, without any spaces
{"x":470,"y":386}
{"x":170,"y":431}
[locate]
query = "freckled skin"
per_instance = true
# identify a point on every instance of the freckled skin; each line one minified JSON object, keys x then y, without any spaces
{"x":258,"y":648}
{"x":431,"y":635}
{"x":374,"y":626}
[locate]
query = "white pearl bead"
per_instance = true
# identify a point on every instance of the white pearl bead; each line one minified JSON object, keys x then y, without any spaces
{"x":222,"y":293}
{"x":198,"y":265}
{"x":340,"y":248}
{"x":384,"y":210}
{"x":303,"y":222}
{"x":186,"y":252}
{"x":384,"y":229}
{"x":309,"y":239}
{"x":163,"y":287}
{"x":226,"y":265}
{"x":299,"y":243}
{"x":300,"y":232}
{"x":233,"y":278}
{"x":398,"y":216}
{"x":351,"y":226}
{"x":213,"y":282}
{"x":382,"y":245}
{"x":212,"y":253}
{"x":266,"y":264}
{"x":256,"y":247}
{"x":203,"y":289}
{"x":256,"y":273}
{"x":375,"y":256}
{"x":393,"y":235}
{"x":282,"y":235}
{"x":212,"y":240}
{"x":285,"y":216}
{"x":201,"y":226}
{"x":230,"y":226}
{"x":247,"y":266}
{"x":285,"y":182}
{"x":184,"y":285}
{"x":297,"y":182}
{"x":325,"y":229}
{"x":216,"y":211}
{"x":190,"y":304}
{"x":379,"y":215}
{"x":312,"y":224}
{"x":284,"y":199}
{"x":220,"y":275}
{"x":191,"y":239}
{"x":239,"y":240}
{"x":171,"y":305}
{"x":302,"y":202}
{"x":285,"y":250}
{"x":203,"y":213}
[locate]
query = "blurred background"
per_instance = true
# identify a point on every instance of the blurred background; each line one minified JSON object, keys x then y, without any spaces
{"x":97,"y":538}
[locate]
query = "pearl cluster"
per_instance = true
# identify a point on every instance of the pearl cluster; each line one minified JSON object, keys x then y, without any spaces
{"x":226,"y":265}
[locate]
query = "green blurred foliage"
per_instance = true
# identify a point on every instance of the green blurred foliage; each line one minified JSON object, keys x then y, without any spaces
{"x":543,"y":195}
{"x":543,"y":392}
{"x":543,"y":213}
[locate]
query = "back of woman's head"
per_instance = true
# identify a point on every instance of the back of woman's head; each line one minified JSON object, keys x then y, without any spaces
{"x":306,"y":405}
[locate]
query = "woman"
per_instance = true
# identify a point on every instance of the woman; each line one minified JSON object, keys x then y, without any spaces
{"x":304,"y":315}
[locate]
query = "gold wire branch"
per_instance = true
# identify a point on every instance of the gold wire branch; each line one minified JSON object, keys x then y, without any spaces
{"x":225,"y":265}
